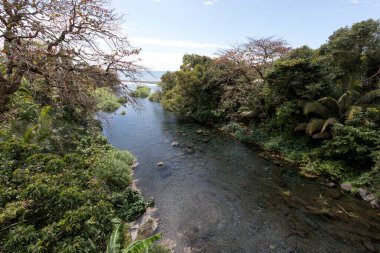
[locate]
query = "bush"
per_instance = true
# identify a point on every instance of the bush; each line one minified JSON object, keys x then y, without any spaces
{"x":61,"y":194}
{"x":107,"y":100}
{"x":156,"y":96}
{"x":141,"y":92}
{"x":333,"y":169}
{"x":354,"y":145}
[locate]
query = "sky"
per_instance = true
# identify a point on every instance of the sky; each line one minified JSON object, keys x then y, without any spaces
{"x":168,"y":29}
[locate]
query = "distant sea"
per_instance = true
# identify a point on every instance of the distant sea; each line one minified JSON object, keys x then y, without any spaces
{"x":152,"y":76}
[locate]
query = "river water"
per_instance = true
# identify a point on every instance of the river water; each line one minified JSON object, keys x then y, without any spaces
{"x":215,"y":194}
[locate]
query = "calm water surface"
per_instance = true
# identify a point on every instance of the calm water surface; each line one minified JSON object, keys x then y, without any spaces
{"x":215,"y":194}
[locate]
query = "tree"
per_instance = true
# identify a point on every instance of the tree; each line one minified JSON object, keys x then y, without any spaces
{"x":355,"y":52}
{"x":327,"y":111}
{"x":257,"y":54}
{"x":71,"y":45}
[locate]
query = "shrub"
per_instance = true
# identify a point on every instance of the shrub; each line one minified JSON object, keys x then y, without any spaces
{"x":141,"y":92}
{"x":156,"y":96}
{"x":333,"y":169}
{"x":107,"y":100}
{"x":62,"y":200}
{"x":353,"y":145}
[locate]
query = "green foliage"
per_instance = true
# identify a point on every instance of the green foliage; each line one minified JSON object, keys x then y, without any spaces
{"x":333,"y":169}
{"x":114,"y":243}
{"x":330,"y":93}
{"x":139,"y":246}
{"x":142,"y":245}
{"x":355,"y":49}
{"x":141,"y":92}
{"x":156,"y":96}
{"x":60,"y":184}
{"x":114,"y":169}
{"x":190,"y":92}
{"x":107,"y":100}
{"x":353,"y":145}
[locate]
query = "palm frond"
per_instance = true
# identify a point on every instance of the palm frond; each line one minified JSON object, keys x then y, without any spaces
{"x":141,"y":245}
{"x":114,"y":243}
{"x":330,"y":103}
{"x":352,"y":112}
{"x":314,"y":126}
{"x":329,"y":122}
{"x":369,"y":97}
{"x":315,"y":108}
{"x":301,"y":127}
{"x":345,"y":101}
{"x":321,"y":135}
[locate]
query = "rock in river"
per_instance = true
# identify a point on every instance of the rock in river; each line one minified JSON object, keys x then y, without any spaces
{"x":175,"y":144}
{"x":375,"y":204}
{"x":135,"y":165}
{"x":160,"y":164}
{"x":366,"y":195}
{"x":346,"y":187}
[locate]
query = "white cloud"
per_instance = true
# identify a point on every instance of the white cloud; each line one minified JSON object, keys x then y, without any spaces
{"x":355,"y":1}
{"x":211,"y":2}
{"x":159,"y":54}
{"x":173,"y":43}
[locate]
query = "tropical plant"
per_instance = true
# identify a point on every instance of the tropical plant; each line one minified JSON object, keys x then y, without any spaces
{"x":327,"y":111}
{"x":139,"y":246}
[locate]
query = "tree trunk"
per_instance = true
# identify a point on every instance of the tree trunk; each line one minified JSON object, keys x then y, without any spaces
{"x":6,"y":90}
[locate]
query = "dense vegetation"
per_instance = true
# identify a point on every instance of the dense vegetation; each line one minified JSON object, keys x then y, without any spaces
{"x":63,"y":188}
{"x":61,"y":183}
{"x":107,"y":100}
{"x":319,"y":107}
{"x":141,"y":92}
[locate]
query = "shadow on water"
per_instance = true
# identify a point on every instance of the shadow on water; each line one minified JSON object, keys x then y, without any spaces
{"x":215,"y":194}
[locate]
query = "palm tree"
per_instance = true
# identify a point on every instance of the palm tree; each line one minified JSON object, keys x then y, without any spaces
{"x":327,"y":111}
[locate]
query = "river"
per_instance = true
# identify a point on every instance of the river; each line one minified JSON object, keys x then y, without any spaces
{"x":215,"y":194}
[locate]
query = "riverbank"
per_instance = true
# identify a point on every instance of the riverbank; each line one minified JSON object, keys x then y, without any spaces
{"x":297,"y":154}
{"x":62,"y":185}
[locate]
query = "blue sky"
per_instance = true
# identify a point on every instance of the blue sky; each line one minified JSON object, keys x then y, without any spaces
{"x":167,"y":29}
